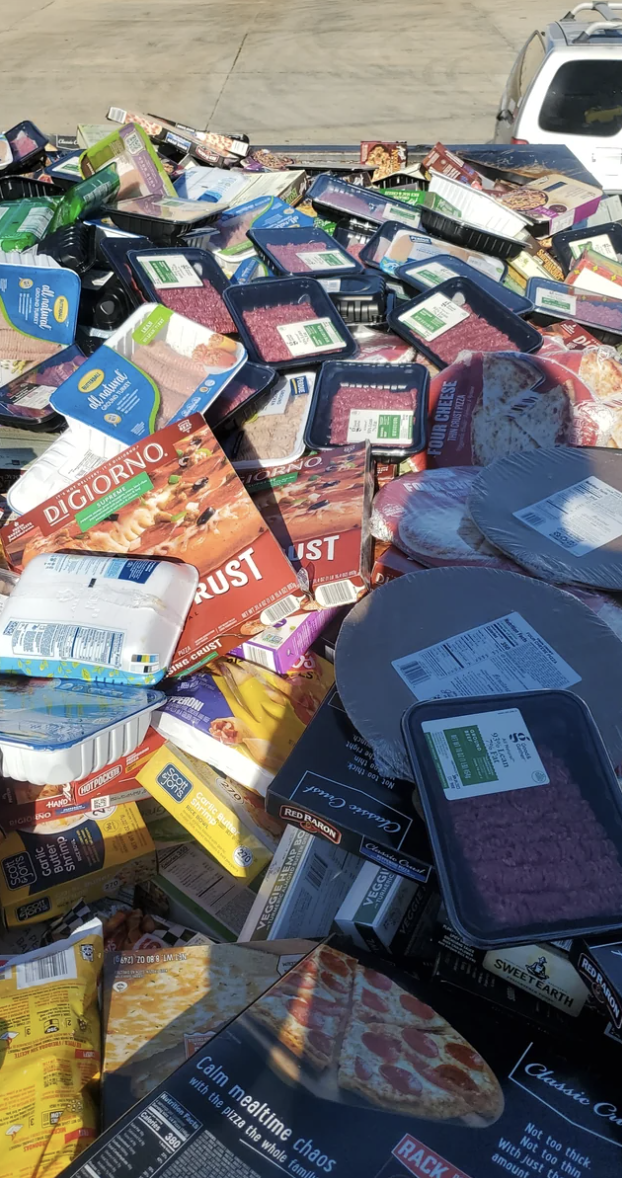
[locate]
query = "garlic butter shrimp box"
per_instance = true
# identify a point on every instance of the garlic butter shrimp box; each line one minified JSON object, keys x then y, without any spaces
{"x":174,"y":494}
{"x":45,"y":870}
{"x":23,"y":804}
{"x":212,"y":813}
{"x":318,"y":509}
{"x":156,"y":368}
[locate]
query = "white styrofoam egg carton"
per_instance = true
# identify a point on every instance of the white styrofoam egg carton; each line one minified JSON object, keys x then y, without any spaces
{"x":55,"y":731}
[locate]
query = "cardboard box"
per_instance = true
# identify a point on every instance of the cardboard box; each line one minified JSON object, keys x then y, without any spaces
{"x":390,"y":563}
{"x":330,"y":786}
{"x":213,"y":813}
{"x":179,"y":472}
{"x":301,"y":890}
{"x":202,"y":894}
{"x":565,"y":201}
{"x":44,"y":872}
{"x":256,"y":1100}
{"x":599,"y":963}
{"x":164,"y":1005}
{"x":22,"y":804}
{"x":386,"y":913}
{"x":282,"y":646}
{"x":318,"y":509}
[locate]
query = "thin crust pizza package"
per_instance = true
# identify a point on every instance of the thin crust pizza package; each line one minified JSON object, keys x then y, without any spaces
{"x":174,"y":494}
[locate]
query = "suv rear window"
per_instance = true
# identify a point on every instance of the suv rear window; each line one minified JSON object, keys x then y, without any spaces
{"x":584,"y":98}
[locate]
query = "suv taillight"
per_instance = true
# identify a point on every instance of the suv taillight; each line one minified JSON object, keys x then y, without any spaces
{"x":519,"y":140}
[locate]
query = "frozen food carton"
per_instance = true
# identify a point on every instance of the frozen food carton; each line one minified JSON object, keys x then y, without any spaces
{"x":318,"y":509}
{"x":243,"y":719}
{"x":436,"y":1087}
{"x":203,"y":894}
{"x":43,"y":871}
{"x":330,"y":787}
{"x":139,"y":168}
{"x":599,"y":963}
{"x":214,"y":814}
{"x":302,"y":890}
{"x":161,"y":1008}
{"x":24,"y":804}
{"x":174,"y":494}
{"x":385,"y":912}
{"x":283,"y":646}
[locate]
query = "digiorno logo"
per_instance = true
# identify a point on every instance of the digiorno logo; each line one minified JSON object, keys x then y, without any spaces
{"x":312,"y":823}
{"x":102,"y":481}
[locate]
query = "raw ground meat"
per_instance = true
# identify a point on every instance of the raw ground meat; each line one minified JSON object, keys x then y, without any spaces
{"x":23,"y":145}
{"x":262,"y":325}
{"x":539,"y":855}
{"x":201,"y":303}
{"x":233,"y":397}
{"x":269,"y":438}
{"x":474,"y":334}
{"x":288,"y":255}
{"x":600,"y":314}
{"x":370,"y":397}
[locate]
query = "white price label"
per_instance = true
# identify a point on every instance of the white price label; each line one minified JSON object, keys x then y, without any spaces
{"x":486,"y":753}
{"x":434,"y":316}
{"x":579,"y":518}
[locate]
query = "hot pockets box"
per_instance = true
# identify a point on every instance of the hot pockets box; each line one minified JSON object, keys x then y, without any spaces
{"x":318,"y":510}
{"x":158,"y":367}
{"x":46,"y":870}
{"x":174,"y":494}
{"x":23,"y":804}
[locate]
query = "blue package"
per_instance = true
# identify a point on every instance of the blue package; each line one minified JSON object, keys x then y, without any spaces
{"x":249,"y":270}
{"x":40,"y":302}
{"x":141,"y":379}
{"x":227,"y":234}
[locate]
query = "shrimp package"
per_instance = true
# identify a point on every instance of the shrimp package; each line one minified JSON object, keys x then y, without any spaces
{"x":157,"y":368}
{"x":243,"y":719}
{"x":173,"y":494}
{"x":38,"y":312}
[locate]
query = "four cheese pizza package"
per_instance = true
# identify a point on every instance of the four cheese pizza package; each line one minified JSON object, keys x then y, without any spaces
{"x":350,"y":1062}
{"x":222,"y":591}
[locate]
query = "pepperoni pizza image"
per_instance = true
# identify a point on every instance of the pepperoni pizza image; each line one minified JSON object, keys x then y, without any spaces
{"x":378,"y":1041}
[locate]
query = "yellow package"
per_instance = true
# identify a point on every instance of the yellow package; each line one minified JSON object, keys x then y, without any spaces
{"x":46,"y":869}
{"x":50,"y":1058}
{"x":195,"y":795}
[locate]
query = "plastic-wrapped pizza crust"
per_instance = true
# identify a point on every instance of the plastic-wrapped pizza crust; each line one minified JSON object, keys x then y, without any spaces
{"x":425,"y":515}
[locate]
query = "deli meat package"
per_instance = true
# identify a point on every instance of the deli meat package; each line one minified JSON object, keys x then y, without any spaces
{"x":348,"y":1066}
{"x":174,"y":495}
{"x":488,"y":404}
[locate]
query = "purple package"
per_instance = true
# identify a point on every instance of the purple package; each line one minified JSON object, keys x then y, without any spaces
{"x":278,"y":647}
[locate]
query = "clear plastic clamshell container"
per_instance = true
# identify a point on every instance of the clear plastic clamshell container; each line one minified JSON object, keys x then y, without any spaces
{"x":53,"y":731}
{"x":97,"y":618}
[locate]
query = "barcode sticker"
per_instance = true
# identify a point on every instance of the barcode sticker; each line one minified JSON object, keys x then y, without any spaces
{"x":116,"y":115}
{"x":337,"y":593}
{"x":380,"y":425}
{"x":310,"y":337}
{"x":170,"y":271}
{"x":256,"y":654}
{"x":58,"y":967}
{"x":503,"y":655}
{"x":325,"y":259}
{"x":282,"y":609}
{"x":35,"y":397}
{"x":316,"y":873}
{"x":433,"y":317}
{"x":134,"y":143}
{"x":578,"y":518}
{"x":485,"y":753}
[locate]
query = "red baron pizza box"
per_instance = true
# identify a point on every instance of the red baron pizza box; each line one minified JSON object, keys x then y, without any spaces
{"x":490,"y":404}
{"x":318,"y":509}
{"x":306,"y":1082}
{"x":22,"y":804}
{"x":173,"y":494}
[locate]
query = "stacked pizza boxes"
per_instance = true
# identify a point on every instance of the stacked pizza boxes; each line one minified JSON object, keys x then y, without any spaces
{"x":310,"y":577}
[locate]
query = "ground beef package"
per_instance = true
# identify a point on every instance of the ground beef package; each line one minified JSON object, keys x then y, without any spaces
{"x":524,"y":812}
{"x":348,"y":1065}
{"x":557,"y":512}
{"x":448,"y":633}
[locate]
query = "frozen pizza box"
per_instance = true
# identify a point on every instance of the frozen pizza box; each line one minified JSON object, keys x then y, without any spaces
{"x":45,"y":870}
{"x":599,"y":963}
{"x":243,"y":719}
{"x":331,"y":787}
{"x":163,"y":1005}
{"x":487,"y":405}
{"x":318,"y":509}
{"x":302,"y":889}
{"x":304,"y":1082}
{"x":450,"y":633}
{"x":173,"y":494}
{"x":23,"y":804}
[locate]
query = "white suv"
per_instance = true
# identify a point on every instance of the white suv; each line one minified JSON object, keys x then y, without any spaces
{"x":566,"y":87}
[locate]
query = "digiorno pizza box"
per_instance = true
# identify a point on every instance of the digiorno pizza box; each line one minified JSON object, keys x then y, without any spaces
{"x":318,"y":509}
{"x":175,"y":495}
{"x":22,"y":804}
{"x":331,"y":787}
{"x":348,"y":1065}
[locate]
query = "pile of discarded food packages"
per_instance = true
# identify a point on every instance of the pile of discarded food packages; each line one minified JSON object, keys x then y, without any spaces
{"x":311,"y":662}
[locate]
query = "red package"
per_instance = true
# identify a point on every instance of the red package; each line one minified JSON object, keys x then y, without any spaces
{"x":174,"y":494}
